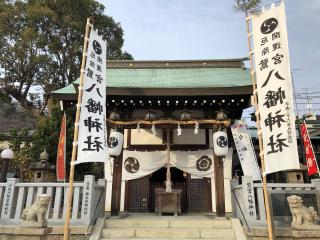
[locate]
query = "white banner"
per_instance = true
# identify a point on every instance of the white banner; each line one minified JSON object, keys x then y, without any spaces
{"x":139,"y":164}
{"x":274,"y":87}
{"x":197,"y":163}
{"x":247,"y":156}
{"x":92,"y":126}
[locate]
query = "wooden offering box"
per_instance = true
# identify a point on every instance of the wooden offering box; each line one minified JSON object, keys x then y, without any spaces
{"x":168,"y":202}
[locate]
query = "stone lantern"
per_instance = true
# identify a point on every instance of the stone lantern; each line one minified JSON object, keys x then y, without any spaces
{"x":43,"y":170}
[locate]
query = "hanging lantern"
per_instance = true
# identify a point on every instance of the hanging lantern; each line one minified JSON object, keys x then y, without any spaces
{"x":114,"y":115}
{"x":115,"y":144}
{"x":185,"y":115}
{"x":150,"y":115}
{"x":221,"y":115}
{"x":220,"y":143}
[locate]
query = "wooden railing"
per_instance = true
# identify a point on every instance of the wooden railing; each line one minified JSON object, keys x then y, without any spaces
{"x":87,"y":203}
{"x":248,"y":202}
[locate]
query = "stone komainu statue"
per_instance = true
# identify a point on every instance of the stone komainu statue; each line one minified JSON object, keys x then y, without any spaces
{"x":35,"y":215}
{"x":301,"y":215}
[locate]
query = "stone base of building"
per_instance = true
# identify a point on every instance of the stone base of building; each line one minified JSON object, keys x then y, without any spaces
{"x":23,"y":233}
{"x":49,"y":233}
{"x":309,"y":234}
{"x":282,"y":234}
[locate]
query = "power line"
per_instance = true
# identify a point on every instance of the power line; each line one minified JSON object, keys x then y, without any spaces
{"x":308,"y":92}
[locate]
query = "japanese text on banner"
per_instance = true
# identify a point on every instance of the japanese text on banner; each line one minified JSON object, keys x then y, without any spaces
{"x":274,"y":87}
{"x":92,"y":125}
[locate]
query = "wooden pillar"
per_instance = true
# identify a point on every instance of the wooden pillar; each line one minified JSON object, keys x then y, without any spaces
{"x":168,"y":173}
{"x":126,"y":190}
{"x":219,"y":184}
{"x":116,"y":184}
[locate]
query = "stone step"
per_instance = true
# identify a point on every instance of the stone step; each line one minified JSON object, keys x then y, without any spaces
{"x":164,"y":238}
{"x":118,"y":233}
{"x":217,"y":233}
{"x":168,"y":223}
{"x":136,"y":223}
{"x":167,"y":233}
{"x":197,"y":224}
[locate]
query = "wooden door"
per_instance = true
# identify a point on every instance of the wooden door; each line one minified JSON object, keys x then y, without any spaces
{"x":198,"y":194}
{"x":138,"y":195}
{"x":183,"y":187}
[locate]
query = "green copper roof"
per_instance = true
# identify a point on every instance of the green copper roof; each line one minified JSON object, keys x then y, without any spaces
{"x":178,"y":78}
{"x":66,"y":90}
{"x":173,"y":78}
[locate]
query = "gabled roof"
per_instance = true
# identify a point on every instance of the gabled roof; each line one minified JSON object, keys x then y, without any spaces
{"x":163,"y":75}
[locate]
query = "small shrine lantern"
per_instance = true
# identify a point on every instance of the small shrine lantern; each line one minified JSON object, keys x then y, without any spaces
{"x":296,"y":176}
{"x":43,"y":170}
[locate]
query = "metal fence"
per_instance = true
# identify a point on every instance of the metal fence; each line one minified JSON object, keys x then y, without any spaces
{"x":87,"y":204}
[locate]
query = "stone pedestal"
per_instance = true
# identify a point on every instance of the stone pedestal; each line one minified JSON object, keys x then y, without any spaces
{"x":21,"y":233}
{"x":282,"y":234}
{"x":305,"y":234}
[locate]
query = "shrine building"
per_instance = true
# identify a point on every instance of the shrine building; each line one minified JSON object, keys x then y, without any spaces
{"x":168,"y":112}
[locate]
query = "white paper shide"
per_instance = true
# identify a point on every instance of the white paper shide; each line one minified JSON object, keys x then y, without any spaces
{"x":92,"y":126}
{"x":274,"y":87}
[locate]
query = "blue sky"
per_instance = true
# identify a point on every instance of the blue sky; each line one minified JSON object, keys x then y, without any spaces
{"x":210,"y":29}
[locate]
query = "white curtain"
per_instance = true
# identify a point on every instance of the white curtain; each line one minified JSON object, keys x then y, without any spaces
{"x":197,"y":163}
{"x":139,"y":164}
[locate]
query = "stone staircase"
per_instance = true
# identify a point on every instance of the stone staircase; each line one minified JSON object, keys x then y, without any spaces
{"x":169,"y":227}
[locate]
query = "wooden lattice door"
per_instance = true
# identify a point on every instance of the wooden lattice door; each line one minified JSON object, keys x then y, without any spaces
{"x":199,"y":195}
{"x":138,"y":195}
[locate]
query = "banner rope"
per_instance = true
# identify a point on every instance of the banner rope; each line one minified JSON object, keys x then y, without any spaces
{"x":169,"y":121}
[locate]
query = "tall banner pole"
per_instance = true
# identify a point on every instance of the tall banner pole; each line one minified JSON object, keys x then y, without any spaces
{"x":264,"y":177}
{"x":76,"y":131}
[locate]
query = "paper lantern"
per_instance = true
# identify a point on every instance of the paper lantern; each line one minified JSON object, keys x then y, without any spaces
{"x":115,"y":144}
{"x":220,"y":143}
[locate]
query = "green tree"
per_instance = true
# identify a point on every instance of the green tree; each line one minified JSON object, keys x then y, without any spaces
{"x":20,"y":143}
{"x":246,"y":5}
{"x":41,"y":44}
{"x":46,"y":136}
